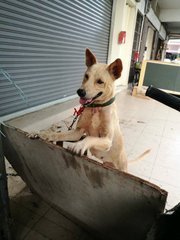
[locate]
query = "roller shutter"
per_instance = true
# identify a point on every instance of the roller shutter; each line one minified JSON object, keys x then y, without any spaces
{"x":42,"y":44}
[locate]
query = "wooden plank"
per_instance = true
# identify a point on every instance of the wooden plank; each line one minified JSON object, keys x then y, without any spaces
{"x":111,"y":204}
{"x":142,"y":74}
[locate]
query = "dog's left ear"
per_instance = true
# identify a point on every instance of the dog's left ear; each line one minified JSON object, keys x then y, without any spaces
{"x":115,"y":69}
{"x":90,"y":58}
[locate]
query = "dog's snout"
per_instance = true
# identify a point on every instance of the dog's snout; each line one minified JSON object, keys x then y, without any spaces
{"x":81,"y":92}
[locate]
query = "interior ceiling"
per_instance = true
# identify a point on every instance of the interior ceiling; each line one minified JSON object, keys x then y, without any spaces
{"x":167,"y":4}
{"x":170,"y":16}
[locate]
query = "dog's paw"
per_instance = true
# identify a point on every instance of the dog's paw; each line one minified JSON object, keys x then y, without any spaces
{"x":33,"y":135}
{"x":78,"y":148}
{"x":46,"y":135}
{"x":56,"y":127}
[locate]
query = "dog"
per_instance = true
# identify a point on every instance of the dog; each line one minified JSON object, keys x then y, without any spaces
{"x":98,"y":123}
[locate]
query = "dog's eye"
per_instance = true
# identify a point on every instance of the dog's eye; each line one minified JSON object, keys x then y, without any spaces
{"x":99,"y":81}
{"x":86,"y":76}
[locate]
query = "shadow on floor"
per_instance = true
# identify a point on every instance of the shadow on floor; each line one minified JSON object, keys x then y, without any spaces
{"x":33,"y":219}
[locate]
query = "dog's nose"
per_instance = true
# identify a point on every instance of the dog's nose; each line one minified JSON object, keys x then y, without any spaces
{"x":81,"y":92}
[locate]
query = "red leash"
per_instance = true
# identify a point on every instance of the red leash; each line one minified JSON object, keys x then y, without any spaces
{"x":77,"y":113}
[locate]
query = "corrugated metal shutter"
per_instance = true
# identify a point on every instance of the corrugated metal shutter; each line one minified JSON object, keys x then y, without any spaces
{"x":42,"y":46}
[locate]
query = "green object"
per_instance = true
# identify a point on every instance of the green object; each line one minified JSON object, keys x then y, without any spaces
{"x":138,"y":65}
{"x":164,"y":76}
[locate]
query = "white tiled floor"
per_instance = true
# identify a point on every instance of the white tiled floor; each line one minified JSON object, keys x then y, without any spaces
{"x":146,"y":124}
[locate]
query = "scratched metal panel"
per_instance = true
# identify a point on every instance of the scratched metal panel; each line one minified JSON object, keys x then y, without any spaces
{"x":112,"y":204}
{"x":42,"y":46}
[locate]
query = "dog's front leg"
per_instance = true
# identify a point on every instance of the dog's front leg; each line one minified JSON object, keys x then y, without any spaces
{"x":72,"y":135}
{"x":101,"y":144}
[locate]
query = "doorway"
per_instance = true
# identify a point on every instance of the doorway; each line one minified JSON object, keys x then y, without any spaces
{"x":149,"y":44}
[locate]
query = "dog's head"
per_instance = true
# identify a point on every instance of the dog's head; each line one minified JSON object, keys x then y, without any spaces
{"x":98,"y":83}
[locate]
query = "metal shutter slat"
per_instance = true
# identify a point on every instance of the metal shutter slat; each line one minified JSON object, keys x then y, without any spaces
{"x":50,"y":19}
{"x":42,"y":46}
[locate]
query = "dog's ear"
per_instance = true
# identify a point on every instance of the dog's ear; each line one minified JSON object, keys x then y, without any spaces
{"x":115,"y":69}
{"x":90,"y":58}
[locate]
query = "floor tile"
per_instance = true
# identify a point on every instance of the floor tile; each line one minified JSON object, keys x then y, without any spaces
{"x":61,"y":221}
{"x":57,"y":218}
{"x":169,"y":154}
{"x":53,"y":231}
{"x":155,"y":127}
{"x":167,"y":175}
{"x":172,"y":131}
{"x":31,"y":202}
{"x":15,"y":185}
{"x":34,"y":235}
{"x":23,"y":215}
{"x":173,"y":115}
{"x":143,"y":143}
{"x":142,"y":170}
{"x":19,"y":231}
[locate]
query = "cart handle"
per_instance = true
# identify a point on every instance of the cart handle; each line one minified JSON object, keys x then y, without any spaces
{"x":163,"y":97}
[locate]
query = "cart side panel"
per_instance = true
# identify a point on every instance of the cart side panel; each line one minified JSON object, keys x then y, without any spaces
{"x":112,"y":204}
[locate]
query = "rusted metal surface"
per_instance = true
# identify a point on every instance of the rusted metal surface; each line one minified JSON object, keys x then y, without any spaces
{"x":112,"y":204}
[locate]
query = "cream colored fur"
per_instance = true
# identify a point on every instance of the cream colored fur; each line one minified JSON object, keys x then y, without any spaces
{"x":100,"y":126}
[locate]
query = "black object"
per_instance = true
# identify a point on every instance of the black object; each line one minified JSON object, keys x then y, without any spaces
{"x":5,"y":218}
{"x":163,"y":97}
{"x":81,"y":92}
{"x":167,"y":226}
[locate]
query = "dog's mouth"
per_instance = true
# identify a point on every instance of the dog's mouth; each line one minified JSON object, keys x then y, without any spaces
{"x":87,"y":101}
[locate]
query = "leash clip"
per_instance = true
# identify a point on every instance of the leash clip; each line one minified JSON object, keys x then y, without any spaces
{"x":76,"y":113}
